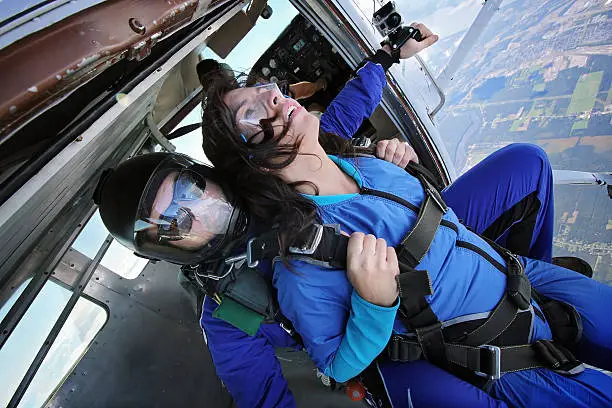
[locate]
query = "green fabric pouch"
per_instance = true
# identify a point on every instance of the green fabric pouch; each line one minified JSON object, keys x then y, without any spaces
{"x":238,"y":316}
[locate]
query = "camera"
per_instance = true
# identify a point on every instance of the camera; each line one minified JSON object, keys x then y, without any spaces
{"x":388,"y":22}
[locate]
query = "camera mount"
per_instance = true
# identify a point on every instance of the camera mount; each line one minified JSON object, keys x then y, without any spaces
{"x":388,"y":22}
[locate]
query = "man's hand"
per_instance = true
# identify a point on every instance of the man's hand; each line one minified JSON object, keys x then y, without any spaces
{"x":371,"y":268}
{"x":412,"y":46}
{"x":396,"y":152}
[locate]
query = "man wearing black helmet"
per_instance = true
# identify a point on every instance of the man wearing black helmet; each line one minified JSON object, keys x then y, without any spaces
{"x":177,"y":211}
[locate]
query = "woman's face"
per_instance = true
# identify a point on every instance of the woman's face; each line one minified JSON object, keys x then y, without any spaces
{"x":264,"y":107}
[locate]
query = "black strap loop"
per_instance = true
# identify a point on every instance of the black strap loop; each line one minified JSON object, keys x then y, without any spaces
{"x":492,"y":361}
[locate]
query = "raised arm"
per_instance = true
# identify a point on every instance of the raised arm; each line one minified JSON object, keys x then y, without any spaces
{"x":359,"y":97}
{"x":362,"y":94}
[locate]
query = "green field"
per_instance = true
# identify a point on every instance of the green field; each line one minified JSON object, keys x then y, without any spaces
{"x":579,"y":124}
{"x":537,"y":109}
{"x":587,"y":88}
{"x":518,"y":123}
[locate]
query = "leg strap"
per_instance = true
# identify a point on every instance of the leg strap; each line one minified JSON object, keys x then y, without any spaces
{"x":492,"y":361}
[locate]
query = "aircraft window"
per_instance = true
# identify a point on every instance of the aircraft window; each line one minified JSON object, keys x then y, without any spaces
{"x":539,"y":72}
{"x":259,"y":39}
{"x":84,"y":322}
{"x":450,"y":19}
{"x":117,"y":258}
{"x":191,"y":143}
{"x":241,"y":59}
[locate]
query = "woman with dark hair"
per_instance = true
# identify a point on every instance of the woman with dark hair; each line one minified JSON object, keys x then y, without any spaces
{"x":269,"y":149}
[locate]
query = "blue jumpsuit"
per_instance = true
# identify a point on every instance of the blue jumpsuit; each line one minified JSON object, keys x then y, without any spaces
{"x":343,"y":333}
{"x":247,"y":365}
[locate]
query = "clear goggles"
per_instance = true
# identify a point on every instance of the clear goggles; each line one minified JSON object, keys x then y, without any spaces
{"x":181,"y":212}
{"x":256,"y":125}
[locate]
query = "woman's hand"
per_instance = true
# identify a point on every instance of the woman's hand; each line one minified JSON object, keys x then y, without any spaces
{"x":371,"y":268}
{"x":396,"y":152}
{"x":412,"y":46}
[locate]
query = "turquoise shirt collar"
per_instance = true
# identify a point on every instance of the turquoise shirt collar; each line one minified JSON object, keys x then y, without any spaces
{"x":349,"y":169}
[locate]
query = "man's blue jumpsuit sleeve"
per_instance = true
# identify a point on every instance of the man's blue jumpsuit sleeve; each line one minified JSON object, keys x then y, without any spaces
{"x":247,"y":365}
{"x":355,"y":102}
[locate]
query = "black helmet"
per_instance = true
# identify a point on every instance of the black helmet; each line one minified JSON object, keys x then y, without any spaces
{"x":167,"y":206}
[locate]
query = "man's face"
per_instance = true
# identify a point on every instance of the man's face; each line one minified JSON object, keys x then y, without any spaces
{"x":186,"y":214}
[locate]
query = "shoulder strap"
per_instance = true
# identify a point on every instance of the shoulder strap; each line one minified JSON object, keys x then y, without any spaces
{"x":416,"y":243}
{"x":417,"y":169}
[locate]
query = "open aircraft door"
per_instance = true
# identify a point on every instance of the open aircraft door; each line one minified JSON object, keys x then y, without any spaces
{"x":516,"y":71}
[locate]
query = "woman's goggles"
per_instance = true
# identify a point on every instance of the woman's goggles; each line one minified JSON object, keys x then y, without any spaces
{"x":256,"y":120}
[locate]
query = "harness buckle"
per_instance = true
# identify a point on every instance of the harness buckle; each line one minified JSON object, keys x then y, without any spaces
{"x":493,"y":367}
{"x":249,"y":254}
{"x":309,"y":248}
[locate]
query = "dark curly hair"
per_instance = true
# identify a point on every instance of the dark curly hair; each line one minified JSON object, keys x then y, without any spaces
{"x":250,"y":169}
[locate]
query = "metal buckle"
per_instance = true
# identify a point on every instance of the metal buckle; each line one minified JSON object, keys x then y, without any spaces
{"x":496,"y":361}
{"x":249,"y":254}
{"x":289,"y":331}
{"x":310,"y":247}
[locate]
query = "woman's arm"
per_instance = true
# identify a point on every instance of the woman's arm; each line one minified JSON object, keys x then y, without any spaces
{"x":342,"y":333}
{"x":362,"y":94}
{"x":343,"y":329}
{"x":358,"y":99}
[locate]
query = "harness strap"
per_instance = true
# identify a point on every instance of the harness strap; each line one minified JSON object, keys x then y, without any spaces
{"x":492,"y":361}
{"x":416,"y":243}
{"x":517,"y":296}
{"x":323,"y":243}
{"x":499,"y":320}
{"x":417,"y":169}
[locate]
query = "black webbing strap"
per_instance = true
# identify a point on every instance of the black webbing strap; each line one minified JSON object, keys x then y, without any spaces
{"x":417,"y":169}
{"x":518,"y":287}
{"x":517,"y":296}
{"x":416,"y":243}
{"x":332,"y":248}
{"x":498,"y":321}
{"x":414,"y":311}
{"x":323,"y":243}
{"x":416,"y":314}
{"x":491,"y":361}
